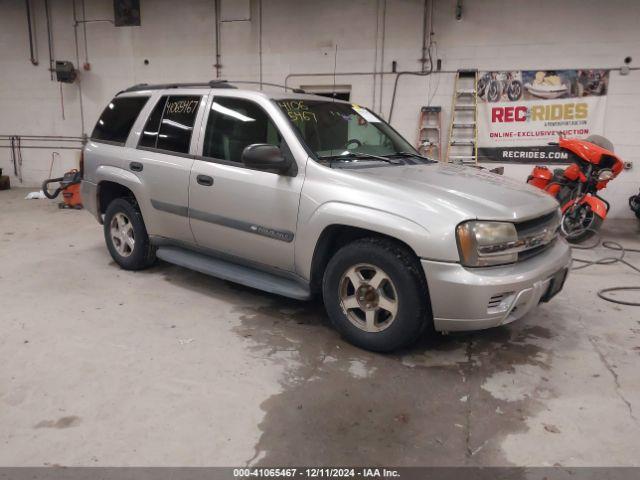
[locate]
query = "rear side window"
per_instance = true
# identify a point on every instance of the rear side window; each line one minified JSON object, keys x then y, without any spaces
{"x":170,"y":124}
{"x":117,"y":119}
{"x":149,"y":135}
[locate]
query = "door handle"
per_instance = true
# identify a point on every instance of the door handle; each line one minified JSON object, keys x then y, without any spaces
{"x":205,"y":180}
{"x":135,"y":166}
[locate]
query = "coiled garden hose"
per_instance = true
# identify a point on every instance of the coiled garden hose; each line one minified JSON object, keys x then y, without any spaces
{"x":615,"y":246}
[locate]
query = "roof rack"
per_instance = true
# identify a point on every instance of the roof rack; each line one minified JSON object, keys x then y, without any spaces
{"x":268,"y":84}
{"x":163,"y":86}
{"x":211,"y":84}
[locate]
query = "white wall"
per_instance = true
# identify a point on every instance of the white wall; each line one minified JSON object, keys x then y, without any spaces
{"x":299,"y":36}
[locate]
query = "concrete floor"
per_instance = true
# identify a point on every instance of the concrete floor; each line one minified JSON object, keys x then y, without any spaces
{"x":99,"y":366}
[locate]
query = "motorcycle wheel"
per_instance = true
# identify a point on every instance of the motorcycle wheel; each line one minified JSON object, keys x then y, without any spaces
{"x":493,"y":93}
{"x":580,"y":223}
{"x":634,"y":204}
{"x":514,"y":91}
{"x":482,"y":87}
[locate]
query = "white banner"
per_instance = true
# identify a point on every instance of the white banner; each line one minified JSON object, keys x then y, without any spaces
{"x":520,"y":112}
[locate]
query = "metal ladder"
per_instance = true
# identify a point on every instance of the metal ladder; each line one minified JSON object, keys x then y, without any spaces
{"x":463,"y":127}
{"x":429,"y":126}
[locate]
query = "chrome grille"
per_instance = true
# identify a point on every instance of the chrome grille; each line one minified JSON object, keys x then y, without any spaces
{"x":537,"y":224}
{"x":537,"y":234}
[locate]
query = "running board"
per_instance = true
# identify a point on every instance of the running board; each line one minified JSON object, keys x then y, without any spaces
{"x":233,"y":272}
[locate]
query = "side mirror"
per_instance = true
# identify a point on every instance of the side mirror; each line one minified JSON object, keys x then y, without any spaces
{"x":263,"y":156}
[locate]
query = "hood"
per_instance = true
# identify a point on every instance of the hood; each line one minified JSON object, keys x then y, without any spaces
{"x":469,"y":192}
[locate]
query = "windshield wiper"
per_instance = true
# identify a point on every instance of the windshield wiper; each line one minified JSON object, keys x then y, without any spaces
{"x":360,"y":155}
{"x":411,"y":154}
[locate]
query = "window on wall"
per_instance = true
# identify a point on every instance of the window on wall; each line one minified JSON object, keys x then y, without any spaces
{"x":235,"y":123}
{"x":170,"y":124}
{"x":117,"y":119}
{"x":339,"y":92}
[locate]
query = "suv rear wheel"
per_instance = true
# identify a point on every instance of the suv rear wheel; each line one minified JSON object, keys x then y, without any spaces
{"x":376,"y":295}
{"x":126,"y":236}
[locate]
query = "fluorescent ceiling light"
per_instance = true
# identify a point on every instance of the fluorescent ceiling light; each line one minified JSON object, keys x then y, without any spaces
{"x":231,"y":113}
{"x":175,"y":124}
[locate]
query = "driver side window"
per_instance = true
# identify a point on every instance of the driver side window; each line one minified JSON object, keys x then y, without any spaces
{"x":235,"y":123}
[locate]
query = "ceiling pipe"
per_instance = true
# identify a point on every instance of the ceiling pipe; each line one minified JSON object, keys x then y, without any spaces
{"x":75,"y":38}
{"x":217,"y":65}
{"x":43,"y":147}
{"x":32,"y":49}
{"x":47,"y":14}
{"x":384,"y":30}
{"x":41,"y":137}
{"x":341,"y":74}
{"x":427,"y":32}
{"x":374,"y":83}
{"x":84,"y":36}
{"x":260,"y":39}
{"x":355,"y":74}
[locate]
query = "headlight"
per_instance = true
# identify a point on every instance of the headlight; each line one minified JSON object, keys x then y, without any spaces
{"x":483,"y":244}
{"x":604,"y":175}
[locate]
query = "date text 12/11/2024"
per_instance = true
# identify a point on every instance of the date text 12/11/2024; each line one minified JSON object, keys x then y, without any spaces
{"x":315,"y":473}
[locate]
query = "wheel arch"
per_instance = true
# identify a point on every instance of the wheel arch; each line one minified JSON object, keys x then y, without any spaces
{"x":109,"y":191}
{"x":317,"y":232}
{"x":335,"y":236}
{"x":112,"y":183}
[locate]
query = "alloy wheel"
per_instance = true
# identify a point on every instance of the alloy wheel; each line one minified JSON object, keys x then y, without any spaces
{"x":122,"y":235}
{"x":368,"y":297}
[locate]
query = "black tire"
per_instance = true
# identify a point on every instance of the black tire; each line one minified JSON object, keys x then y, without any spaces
{"x":634,"y":204}
{"x":514,"y":91}
{"x":482,"y":86}
{"x":143,"y":253}
{"x":494,"y":91}
{"x":402,"y":268}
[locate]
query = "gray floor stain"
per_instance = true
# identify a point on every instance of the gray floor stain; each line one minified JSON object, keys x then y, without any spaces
{"x":62,"y":422}
{"x":424,"y":406}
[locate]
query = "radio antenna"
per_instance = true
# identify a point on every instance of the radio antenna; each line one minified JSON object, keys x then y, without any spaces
{"x":335,"y":66}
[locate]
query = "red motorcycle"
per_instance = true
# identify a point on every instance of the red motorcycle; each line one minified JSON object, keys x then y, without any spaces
{"x":576,"y":187}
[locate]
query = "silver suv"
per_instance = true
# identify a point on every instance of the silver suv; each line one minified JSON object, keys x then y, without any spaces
{"x":299,"y":194}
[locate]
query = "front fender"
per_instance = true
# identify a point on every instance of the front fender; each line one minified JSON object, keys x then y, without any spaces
{"x":597,"y":205}
{"x":340,"y":213}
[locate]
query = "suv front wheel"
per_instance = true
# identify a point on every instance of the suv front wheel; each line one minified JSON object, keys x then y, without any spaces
{"x":126,"y":236}
{"x":376,"y":295}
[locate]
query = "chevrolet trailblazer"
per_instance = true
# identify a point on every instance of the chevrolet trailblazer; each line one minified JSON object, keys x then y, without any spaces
{"x":299,"y":195}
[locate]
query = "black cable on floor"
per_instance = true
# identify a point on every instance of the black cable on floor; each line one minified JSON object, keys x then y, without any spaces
{"x":611,"y":245}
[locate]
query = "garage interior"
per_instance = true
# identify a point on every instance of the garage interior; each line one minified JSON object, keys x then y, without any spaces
{"x":170,"y":367}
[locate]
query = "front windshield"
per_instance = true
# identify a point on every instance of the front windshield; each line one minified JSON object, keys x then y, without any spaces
{"x":333,"y":129}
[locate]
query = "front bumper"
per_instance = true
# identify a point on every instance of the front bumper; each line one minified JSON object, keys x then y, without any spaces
{"x":477,"y":298}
